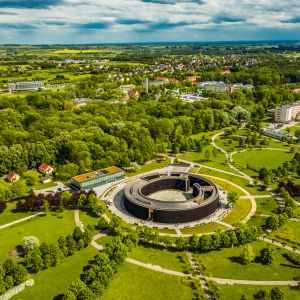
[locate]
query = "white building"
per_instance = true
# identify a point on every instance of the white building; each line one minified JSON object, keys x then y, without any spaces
{"x":25,"y":86}
{"x":287,"y":113}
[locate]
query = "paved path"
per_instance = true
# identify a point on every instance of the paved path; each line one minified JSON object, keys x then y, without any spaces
{"x":202,"y":279}
{"x":21,"y":220}
{"x":96,"y":237}
{"x":156,"y":268}
{"x":279,"y":245}
{"x":229,"y":158}
{"x":257,"y":196}
{"x":77,"y":220}
{"x":193,"y":164}
{"x":224,"y":224}
{"x":178,"y":232}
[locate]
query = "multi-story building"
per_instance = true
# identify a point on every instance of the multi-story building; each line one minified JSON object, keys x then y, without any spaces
{"x":222,"y":87}
{"x":287,"y":113}
{"x":25,"y":86}
{"x":96,"y":178}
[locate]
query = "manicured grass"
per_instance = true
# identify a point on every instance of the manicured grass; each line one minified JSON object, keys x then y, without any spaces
{"x":235,"y":292}
{"x":240,"y":210}
{"x":207,"y":134}
{"x":225,"y":185}
{"x":288,"y":234}
{"x":205,"y":228}
{"x":46,"y":228}
{"x":9,"y":215}
{"x":87,"y":219}
{"x":257,"y":221}
{"x":266,"y":205}
{"x":55,"y":281}
{"x":219,"y":161}
{"x":225,"y":264}
{"x":104,"y":240}
{"x":270,"y":159}
{"x":252,"y":189}
{"x":166,"y":230}
{"x":41,"y":186}
{"x":135,"y":283}
{"x":149,"y":167}
{"x":167,"y":259}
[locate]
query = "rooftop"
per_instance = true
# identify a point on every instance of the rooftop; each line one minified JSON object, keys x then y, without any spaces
{"x":96,"y":174}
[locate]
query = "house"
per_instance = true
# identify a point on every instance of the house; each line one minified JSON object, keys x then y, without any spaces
{"x":46,"y":169}
{"x":12,"y":177}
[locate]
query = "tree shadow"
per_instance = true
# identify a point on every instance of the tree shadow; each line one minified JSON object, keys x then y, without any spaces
{"x":236,"y":259}
{"x":58,"y":297}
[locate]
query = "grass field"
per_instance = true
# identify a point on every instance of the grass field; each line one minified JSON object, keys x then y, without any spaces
{"x":9,"y":215}
{"x":219,"y":161}
{"x":87,"y":219}
{"x":235,"y":292}
{"x":257,"y":221}
{"x":266,"y":206}
{"x":288,"y":234}
{"x":205,"y":228}
{"x":240,"y":210}
{"x":225,"y":264}
{"x":225,"y":185}
{"x":270,"y":159}
{"x":149,"y":167}
{"x":135,"y":283}
{"x":167,"y":259}
{"x":53,"y":282}
{"x":252,"y":189}
{"x":46,"y":228}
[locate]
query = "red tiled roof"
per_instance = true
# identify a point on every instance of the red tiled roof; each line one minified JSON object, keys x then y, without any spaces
{"x":11,"y":175}
{"x":44,"y":167}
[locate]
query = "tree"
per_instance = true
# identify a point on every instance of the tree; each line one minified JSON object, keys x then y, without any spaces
{"x":29,"y":243}
{"x":276,"y":294}
{"x":19,"y":189}
{"x":272,"y":222}
{"x":207,"y":154}
{"x":3,"y":205}
{"x":33,"y":260}
{"x":232,"y":197}
{"x":261,"y":295}
{"x":266,"y":255}
{"x":82,"y":200}
{"x":247,"y":256}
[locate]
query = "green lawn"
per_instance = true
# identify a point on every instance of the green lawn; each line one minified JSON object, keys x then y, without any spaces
{"x":225,"y":185}
{"x":205,"y":228}
{"x":165,"y":230}
{"x":149,"y":167}
{"x":167,"y":259}
{"x":219,"y":161}
{"x":55,"y":281}
{"x":252,"y":189}
{"x":86,"y":218}
{"x":235,"y":292}
{"x":266,"y":205}
{"x":41,"y":186}
{"x":135,"y":283}
{"x":9,"y":215}
{"x":225,"y":264}
{"x":240,"y":210}
{"x":46,"y":228}
{"x":288,"y":234}
{"x":257,"y":221}
{"x":270,"y":159}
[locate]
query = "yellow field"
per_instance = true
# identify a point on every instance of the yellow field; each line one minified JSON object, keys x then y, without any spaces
{"x":73,"y":51}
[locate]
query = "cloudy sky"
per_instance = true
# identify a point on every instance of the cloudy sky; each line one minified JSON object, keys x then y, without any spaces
{"x":105,"y":21}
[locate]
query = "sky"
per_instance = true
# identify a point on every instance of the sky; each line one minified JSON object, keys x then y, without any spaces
{"x":122,"y":21}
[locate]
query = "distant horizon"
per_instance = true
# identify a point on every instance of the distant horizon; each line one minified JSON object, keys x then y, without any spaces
{"x":162,"y":42}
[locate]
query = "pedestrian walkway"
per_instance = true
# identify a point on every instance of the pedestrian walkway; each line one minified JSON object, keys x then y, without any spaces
{"x":21,"y":220}
{"x":202,"y":279}
{"x":279,"y":245}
